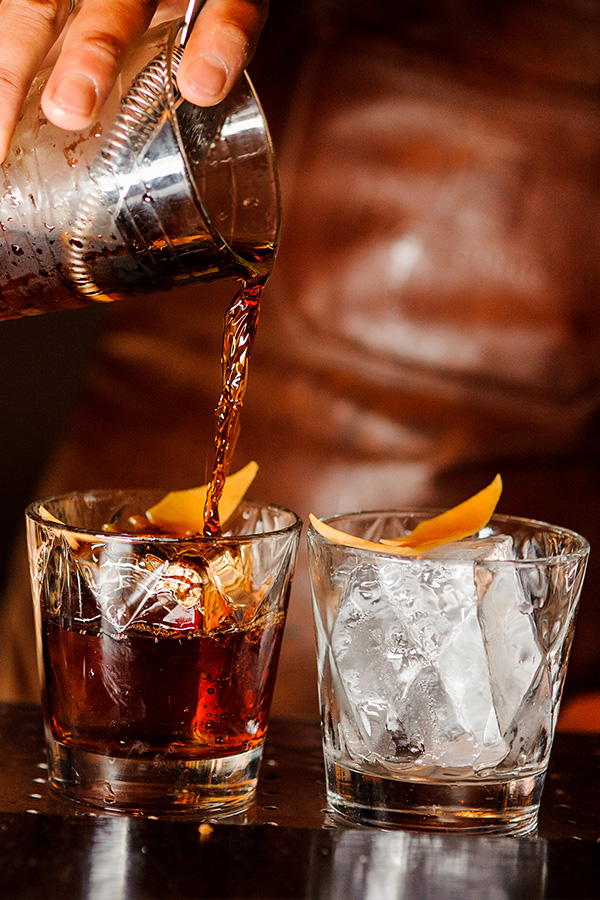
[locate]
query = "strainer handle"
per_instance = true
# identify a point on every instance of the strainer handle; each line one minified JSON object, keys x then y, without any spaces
{"x":191,"y":14}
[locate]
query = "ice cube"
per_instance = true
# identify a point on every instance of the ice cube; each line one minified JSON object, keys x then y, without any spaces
{"x":508,"y":627}
{"x":531,"y":727}
{"x":518,"y":678}
{"x":411,"y":661}
{"x":514,"y":654}
{"x":65,"y":583}
{"x":153,"y":589}
{"x":488,"y":546}
{"x":439,"y":603}
{"x":364,"y":675}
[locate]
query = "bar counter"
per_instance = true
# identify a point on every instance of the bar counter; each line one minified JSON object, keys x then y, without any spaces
{"x":287,"y":845}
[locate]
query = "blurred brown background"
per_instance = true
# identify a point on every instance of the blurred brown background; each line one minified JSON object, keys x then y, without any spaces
{"x":433,"y":317}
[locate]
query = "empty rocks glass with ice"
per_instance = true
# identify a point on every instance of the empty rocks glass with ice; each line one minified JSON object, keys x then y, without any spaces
{"x":440,"y":674}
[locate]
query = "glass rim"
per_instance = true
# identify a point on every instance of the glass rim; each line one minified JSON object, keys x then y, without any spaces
{"x":173,"y":29}
{"x":32,"y":513}
{"x":579,"y":552}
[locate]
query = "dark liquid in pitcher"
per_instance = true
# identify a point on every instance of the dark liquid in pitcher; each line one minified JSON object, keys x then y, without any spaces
{"x":28,"y":288}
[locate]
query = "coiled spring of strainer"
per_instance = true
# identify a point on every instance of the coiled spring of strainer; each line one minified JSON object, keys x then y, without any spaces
{"x":151,"y":92}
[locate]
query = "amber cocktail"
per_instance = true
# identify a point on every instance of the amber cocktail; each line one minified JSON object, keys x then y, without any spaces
{"x":158,"y":652}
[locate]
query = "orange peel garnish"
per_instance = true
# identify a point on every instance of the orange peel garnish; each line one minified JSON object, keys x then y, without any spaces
{"x":456,"y":523}
{"x":350,"y":540}
{"x":182,"y":512}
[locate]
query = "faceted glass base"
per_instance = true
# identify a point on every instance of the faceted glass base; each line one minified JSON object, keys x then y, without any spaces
{"x":469,"y":807}
{"x":214,"y":787}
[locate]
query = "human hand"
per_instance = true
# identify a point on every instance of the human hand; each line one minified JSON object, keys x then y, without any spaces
{"x":94,"y":43}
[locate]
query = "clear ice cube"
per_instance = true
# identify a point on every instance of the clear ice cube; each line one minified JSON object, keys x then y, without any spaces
{"x":519,"y":675}
{"x":153,"y":589}
{"x":419,"y":654}
{"x":150,"y":589}
{"x":518,"y":671}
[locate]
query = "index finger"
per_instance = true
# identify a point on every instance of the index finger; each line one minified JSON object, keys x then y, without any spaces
{"x":219,"y":48}
{"x":91,"y":58}
{"x":28,"y":29}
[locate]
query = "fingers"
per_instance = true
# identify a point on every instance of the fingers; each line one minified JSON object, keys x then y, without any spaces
{"x":28,"y":28}
{"x":91,"y":58}
{"x":220,"y":47}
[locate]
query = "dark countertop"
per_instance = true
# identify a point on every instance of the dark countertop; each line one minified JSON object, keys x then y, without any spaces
{"x":286,"y":846}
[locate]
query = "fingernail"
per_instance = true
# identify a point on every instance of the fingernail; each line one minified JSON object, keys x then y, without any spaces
{"x":207,"y":76}
{"x":76,"y":93}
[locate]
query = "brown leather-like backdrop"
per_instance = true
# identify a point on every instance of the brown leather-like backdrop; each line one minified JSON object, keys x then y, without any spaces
{"x":433,"y":317}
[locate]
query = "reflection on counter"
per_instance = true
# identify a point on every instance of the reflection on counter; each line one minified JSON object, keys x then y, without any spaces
{"x":402,"y":866}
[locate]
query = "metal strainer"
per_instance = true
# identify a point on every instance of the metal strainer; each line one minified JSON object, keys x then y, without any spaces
{"x":176,"y":192}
